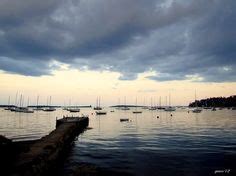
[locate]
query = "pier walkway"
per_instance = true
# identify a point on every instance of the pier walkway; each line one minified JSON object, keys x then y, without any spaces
{"x":44,"y":154}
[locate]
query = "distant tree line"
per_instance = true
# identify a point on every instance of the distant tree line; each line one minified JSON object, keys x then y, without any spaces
{"x":215,"y":102}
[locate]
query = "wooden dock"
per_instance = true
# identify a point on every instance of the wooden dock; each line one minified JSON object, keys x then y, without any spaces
{"x":42,"y":156}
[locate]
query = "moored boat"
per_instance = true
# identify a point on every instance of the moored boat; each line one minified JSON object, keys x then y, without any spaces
{"x":98,"y":102}
{"x":124,"y":120}
{"x":137,"y":112}
{"x":23,"y":110}
{"x":101,"y":112}
{"x":73,"y":110}
{"x":169,"y":109}
{"x":197,"y":110}
{"x":152,"y":108}
{"x":125,"y":108}
{"x":49,"y":109}
{"x":214,"y":109}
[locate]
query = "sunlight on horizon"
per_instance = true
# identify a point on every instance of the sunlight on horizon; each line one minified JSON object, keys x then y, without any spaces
{"x":83,"y":87}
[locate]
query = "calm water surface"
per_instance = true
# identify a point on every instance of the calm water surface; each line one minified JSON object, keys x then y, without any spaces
{"x":184,"y":144}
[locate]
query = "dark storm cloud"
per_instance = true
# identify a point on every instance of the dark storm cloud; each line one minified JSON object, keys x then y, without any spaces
{"x":175,"y":39}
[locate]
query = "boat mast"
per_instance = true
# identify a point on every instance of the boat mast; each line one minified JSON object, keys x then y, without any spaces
{"x":166,"y":101}
{"x":50,"y":101}
{"x":125,"y":100}
{"x":169,"y":100}
{"x":16,"y":98}
{"x":9,"y":99}
{"x":23,"y":100}
{"x":37,"y":101}
{"x":20,"y":100}
{"x":28,"y":102}
{"x":99,"y":101}
{"x":151,"y":102}
{"x":160,"y":101}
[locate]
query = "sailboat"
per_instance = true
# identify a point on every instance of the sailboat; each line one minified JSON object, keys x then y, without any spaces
{"x":99,"y":109}
{"x":144,"y":104}
{"x":49,"y":108}
{"x":16,"y":103}
{"x":21,"y":108}
{"x":125,"y":108}
{"x":196,"y":109}
{"x":118,"y":107}
{"x":37,"y":106}
{"x":74,"y":109}
{"x":98,"y":104}
{"x":152,"y":108}
{"x":136,"y":111}
{"x":8,"y":107}
{"x":160,"y":107}
{"x":169,"y":108}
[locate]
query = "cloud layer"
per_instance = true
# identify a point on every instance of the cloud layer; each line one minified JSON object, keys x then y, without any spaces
{"x":177,"y":40}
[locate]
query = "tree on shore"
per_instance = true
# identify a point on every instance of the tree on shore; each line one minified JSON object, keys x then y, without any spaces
{"x":215,"y":102}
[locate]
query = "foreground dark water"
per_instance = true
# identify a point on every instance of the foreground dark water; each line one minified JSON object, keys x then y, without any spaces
{"x":184,"y":144}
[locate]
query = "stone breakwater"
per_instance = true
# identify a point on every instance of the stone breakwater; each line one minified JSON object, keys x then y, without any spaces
{"x":40,"y":157}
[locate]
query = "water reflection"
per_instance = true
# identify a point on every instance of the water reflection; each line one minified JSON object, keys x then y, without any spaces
{"x":181,"y":144}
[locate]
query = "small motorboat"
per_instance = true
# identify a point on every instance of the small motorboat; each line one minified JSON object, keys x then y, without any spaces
{"x":137,"y":112}
{"x":101,"y":112}
{"x":73,"y":109}
{"x":197,"y":110}
{"x":124,"y":120}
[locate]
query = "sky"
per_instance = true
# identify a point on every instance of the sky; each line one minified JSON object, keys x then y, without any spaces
{"x":77,"y":50}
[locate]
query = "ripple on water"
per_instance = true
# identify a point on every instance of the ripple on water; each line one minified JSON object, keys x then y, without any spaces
{"x":184,"y":144}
